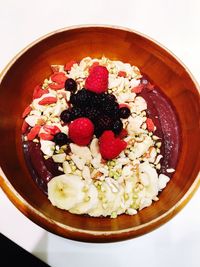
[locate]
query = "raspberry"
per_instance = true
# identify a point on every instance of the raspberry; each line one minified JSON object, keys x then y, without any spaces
{"x":93,"y":65}
{"x":110,"y":146}
{"x":97,"y":81}
{"x":81,"y":131}
{"x":123,"y":133}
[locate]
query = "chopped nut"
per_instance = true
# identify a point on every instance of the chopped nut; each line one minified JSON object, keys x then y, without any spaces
{"x":158,"y":144}
{"x":170,"y":170}
{"x":158,"y":166}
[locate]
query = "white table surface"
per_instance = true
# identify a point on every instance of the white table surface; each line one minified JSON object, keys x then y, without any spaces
{"x":174,"y":24}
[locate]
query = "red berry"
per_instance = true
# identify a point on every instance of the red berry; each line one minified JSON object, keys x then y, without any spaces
{"x":138,"y":89}
{"x":51,"y":129}
{"x":45,"y":136}
{"x":33,"y":132}
{"x":56,"y":86}
{"x":93,"y":65}
{"x":55,"y":68}
{"x":48,"y":100}
{"x":97,"y":81}
{"x":123,"y":133}
{"x":69,"y":65}
{"x":150,"y":125}
{"x":24,"y":127}
{"x":122,"y":73}
{"x":38,"y":92}
{"x":110,"y":146}
{"x":123,"y":105}
{"x":58,"y":77}
{"x":26,"y":111}
{"x":81,"y":131}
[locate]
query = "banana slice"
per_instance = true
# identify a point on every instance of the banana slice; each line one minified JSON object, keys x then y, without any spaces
{"x":65,"y":191}
{"x":150,"y":176}
{"x":90,"y":201}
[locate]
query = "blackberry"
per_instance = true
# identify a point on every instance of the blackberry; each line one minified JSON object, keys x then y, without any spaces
{"x":96,"y":100}
{"x":124,"y":112}
{"x":81,"y":99}
{"x":92,"y":113}
{"x":66,"y":116}
{"x":110,"y":98}
{"x":61,"y":139}
{"x":117,"y":126}
{"x":107,"y":98}
{"x":76,"y":112}
{"x":70,"y":85}
{"x":104,"y":123}
{"x":111,"y":109}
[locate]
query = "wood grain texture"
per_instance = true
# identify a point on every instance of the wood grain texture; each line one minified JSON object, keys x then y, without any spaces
{"x":31,"y":67}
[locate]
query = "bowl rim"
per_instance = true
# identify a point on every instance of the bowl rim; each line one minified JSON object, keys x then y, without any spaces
{"x":24,"y":206}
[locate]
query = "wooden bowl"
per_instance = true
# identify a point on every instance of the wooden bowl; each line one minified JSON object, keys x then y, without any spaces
{"x":32,"y":65}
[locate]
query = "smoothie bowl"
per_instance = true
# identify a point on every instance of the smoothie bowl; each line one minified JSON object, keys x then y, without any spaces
{"x":99,"y":133}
